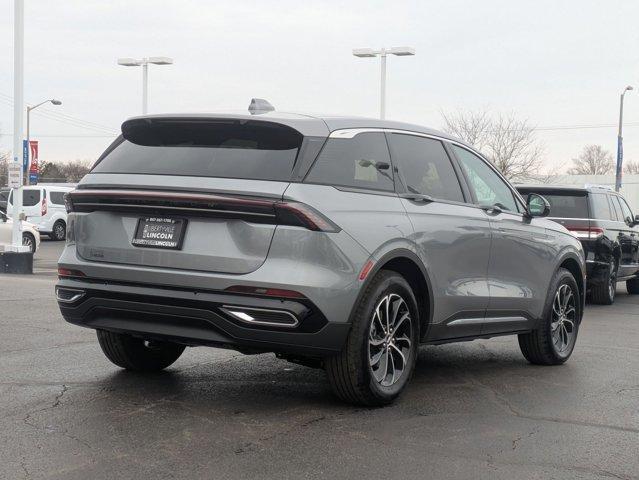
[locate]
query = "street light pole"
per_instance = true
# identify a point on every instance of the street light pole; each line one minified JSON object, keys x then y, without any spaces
{"x":619,"y":171}
{"x":383,"y":53}
{"x":53,"y":102}
{"x":144,"y":63}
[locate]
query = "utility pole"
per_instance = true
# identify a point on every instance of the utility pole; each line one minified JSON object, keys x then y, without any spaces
{"x":619,"y":171}
{"x":18,"y":110}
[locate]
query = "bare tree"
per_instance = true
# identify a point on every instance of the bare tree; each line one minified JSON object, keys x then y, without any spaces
{"x":593,"y":160}
{"x":508,"y":142}
{"x":74,"y":170}
{"x":631,"y":168}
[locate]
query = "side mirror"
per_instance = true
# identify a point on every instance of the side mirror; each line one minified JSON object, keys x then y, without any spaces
{"x":537,"y":206}
{"x":636,"y":222}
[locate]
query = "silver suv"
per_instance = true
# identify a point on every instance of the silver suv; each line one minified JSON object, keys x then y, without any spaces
{"x":336,"y":242}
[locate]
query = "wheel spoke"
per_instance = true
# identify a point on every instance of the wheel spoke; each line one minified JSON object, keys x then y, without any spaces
{"x":404,"y":339}
{"x":392,"y":364}
{"x":376,"y":358}
{"x":401,"y":355}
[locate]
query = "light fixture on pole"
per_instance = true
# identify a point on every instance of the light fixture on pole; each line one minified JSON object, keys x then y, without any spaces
{"x":144,"y":63}
{"x":619,"y":171}
{"x":29,"y":109}
{"x":382,"y":53}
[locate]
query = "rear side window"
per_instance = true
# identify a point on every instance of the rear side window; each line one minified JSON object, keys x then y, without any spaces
{"x":30,"y":198}
{"x":56,"y":197}
{"x":362,"y":162}
{"x":425,"y":167}
{"x":600,"y":207}
{"x":567,"y":205}
{"x":227,"y":148}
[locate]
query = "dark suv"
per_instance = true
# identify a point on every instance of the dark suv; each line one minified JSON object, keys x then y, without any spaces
{"x":332,"y":241}
{"x":608,"y":230}
{"x":4,"y":195}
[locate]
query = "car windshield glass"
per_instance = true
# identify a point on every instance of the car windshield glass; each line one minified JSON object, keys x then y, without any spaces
{"x":230,"y":149}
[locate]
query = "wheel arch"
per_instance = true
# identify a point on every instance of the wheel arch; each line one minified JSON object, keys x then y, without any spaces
{"x":408,"y":264}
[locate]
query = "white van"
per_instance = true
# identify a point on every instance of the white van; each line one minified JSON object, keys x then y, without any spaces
{"x":43,"y":206}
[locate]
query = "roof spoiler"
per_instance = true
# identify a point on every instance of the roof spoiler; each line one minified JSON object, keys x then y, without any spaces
{"x":259,"y":105}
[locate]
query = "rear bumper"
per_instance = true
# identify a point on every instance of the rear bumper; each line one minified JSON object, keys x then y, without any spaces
{"x":198,"y":317}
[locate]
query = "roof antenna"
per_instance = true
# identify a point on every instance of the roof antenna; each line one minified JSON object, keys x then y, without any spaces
{"x":259,"y":105}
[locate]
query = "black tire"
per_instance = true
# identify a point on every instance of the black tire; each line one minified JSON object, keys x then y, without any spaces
{"x":538,"y":346}
{"x":632,"y":286}
{"x":350,"y":373}
{"x":604,"y":294}
{"x":29,"y":240}
{"x":59,"y":231}
{"x":137,"y":354}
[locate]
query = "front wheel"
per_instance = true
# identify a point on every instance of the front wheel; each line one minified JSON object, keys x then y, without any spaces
{"x":380,"y":352}
{"x":554,"y":340}
{"x":29,"y":240}
{"x":137,"y":354}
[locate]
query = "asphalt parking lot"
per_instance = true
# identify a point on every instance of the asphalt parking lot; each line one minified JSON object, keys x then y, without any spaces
{"x":474,"y":410}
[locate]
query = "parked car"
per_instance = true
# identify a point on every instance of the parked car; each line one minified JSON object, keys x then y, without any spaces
{"x":30,"y":234}
{"x":43,"y":206}
{"x":337,"y":242}
{"x":609,"y":232}
{"x":4,"y":195}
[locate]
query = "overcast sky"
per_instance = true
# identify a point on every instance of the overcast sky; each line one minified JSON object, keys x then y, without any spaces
{"x":556,"y":63}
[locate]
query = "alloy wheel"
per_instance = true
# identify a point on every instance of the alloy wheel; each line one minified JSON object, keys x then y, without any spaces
{"x":59,"y":231}
{"x":389,"y":340}
{"x":27,"y":241}
{"x":612,"y":281}
{"x":563,"y":327}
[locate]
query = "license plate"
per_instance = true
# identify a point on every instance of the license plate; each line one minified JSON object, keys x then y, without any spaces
{"x":159,"y":232}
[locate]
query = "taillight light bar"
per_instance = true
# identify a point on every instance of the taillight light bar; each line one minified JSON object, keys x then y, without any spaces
{"x":586,"y":233}
{"x":258,"y":209}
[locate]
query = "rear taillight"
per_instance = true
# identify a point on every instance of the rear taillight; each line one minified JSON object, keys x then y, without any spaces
{"x":43,"y":207}
{"x":586,"y":233}
{"x":294,"y":213}
{"x":197,"y":204}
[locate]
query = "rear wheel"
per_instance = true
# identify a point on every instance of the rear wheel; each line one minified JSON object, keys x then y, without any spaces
{"x":137,"y":354}
{"x":29,"y":240}
{"x":59,"y":230}
{"x":380,"y":352}
{"x":553,"y":342}
{"x":604,"y":294}
{"x":633,"y":286}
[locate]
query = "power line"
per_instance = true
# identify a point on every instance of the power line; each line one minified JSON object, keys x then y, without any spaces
{"x":62,"y":117}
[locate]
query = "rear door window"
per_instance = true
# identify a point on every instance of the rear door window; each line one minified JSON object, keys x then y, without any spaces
{"x":245,"y":149}
{"x":601,"y":209}
{"x":361,"y":162}
{"x":425,"y":167}
{"x":30,"y":198}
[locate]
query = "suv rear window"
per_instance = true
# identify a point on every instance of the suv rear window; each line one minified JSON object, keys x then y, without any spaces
{"x":226,"y":148}
{"x":565,"y":205}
